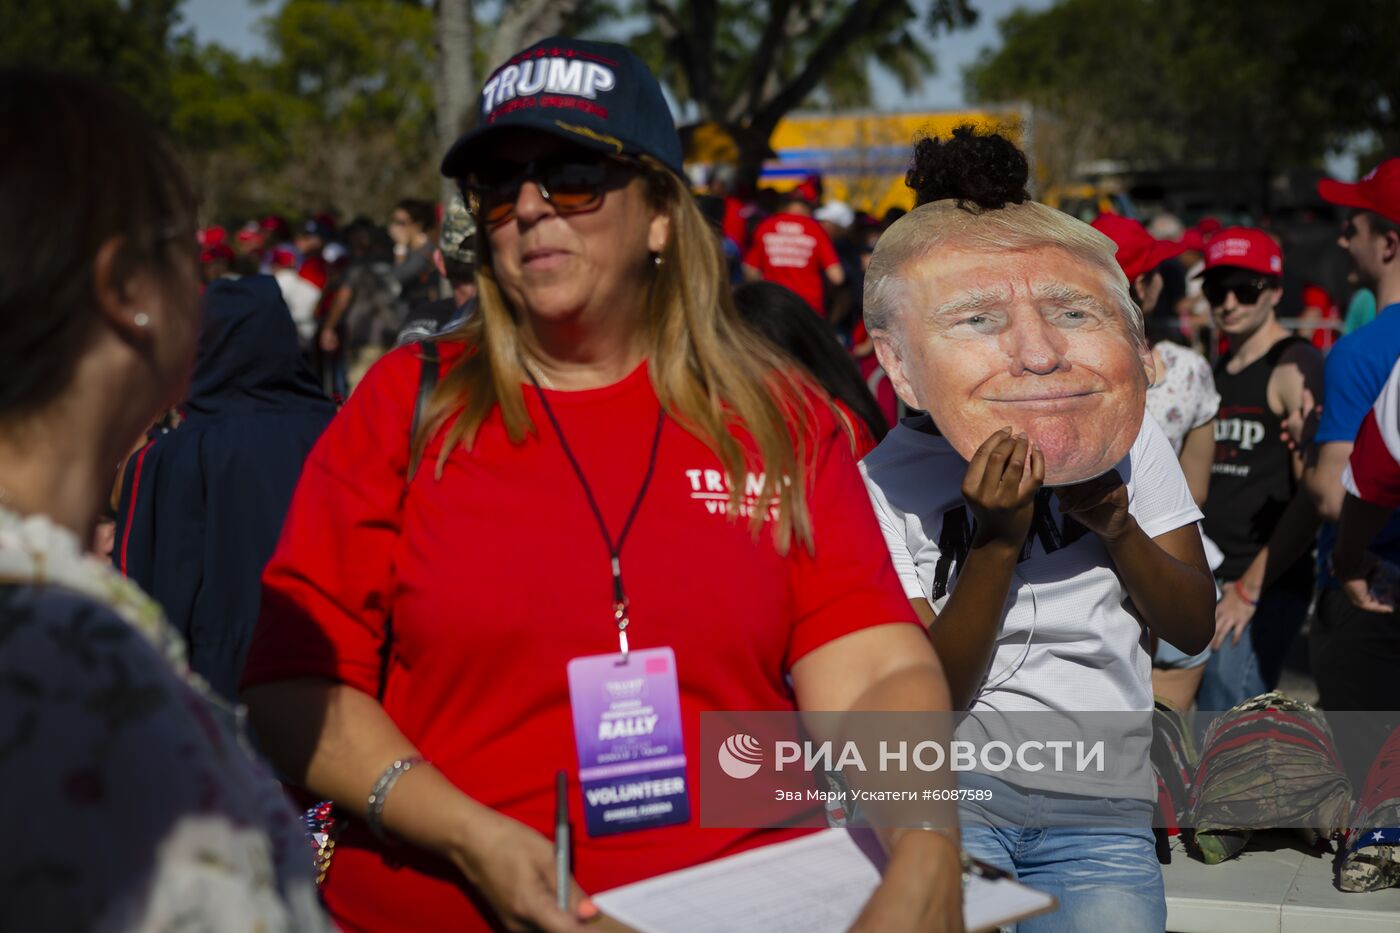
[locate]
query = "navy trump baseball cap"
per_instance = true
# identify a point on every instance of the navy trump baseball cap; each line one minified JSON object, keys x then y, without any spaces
{"x":596,"y":94}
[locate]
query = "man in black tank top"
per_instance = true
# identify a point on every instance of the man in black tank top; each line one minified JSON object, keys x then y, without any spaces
{"x":1256,"y":510}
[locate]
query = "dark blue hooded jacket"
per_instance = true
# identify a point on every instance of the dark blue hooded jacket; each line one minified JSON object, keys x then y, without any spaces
{"x":202,"y":506}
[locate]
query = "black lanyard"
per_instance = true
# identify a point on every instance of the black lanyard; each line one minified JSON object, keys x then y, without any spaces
{"x":614,"y":550}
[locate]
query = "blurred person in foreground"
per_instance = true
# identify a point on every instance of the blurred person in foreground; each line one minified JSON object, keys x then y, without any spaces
{"x":1352,"y":645}
{"x":1183,"y":401}
{"x":130,"y":802}
{"x":202,"y":505}
{"x":589,"y":410}
{"x":997,"y":314}
{"x":1257,"y":512}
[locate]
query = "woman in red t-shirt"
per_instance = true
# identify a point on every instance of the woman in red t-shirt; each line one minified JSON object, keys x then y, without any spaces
{"x":573,"y":505}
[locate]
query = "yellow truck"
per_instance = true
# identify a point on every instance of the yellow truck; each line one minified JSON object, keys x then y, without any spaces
{"x":862,"y":156}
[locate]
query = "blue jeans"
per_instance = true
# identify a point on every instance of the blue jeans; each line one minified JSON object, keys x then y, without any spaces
{"x":1105,"y":877}
{"x":1236,"y":672}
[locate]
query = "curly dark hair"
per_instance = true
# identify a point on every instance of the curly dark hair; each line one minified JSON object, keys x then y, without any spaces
{"x":981,"y":170}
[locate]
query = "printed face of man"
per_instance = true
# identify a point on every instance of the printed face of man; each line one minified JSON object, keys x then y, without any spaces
{"x":1031,"y":339}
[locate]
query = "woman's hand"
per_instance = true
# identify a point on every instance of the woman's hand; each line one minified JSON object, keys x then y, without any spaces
{"x":921,"y":890}
{"x":513,"y":868}
{"x":1000,"y":486}
{"x":1099,"y":504}
{"x":1232,"y":616}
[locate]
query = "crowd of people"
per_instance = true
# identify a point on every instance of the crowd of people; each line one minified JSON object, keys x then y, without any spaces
{"x":402,"y":490}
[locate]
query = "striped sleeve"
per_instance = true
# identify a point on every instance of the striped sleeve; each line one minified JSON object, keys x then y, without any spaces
{"x":1373,"y":472}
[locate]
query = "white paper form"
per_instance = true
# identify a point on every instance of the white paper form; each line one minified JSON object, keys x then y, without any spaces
{"x":812,"y":884}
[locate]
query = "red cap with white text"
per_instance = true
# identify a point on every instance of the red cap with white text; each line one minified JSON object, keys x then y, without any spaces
{"x":1378,"y":192}
{"x":1244,"y":248}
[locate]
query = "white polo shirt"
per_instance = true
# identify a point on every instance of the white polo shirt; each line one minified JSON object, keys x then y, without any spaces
{"x":1070,"y":639}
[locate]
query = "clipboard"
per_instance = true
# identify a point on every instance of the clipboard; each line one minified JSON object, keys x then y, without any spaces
{"x":812,"y":884}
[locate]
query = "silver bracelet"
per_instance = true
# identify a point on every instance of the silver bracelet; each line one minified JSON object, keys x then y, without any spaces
{"x":375,"y":813}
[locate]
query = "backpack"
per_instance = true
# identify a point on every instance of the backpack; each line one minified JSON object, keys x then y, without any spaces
{"x":372,"y":318}
{"x":1269,"y":762}
{"x":1174,"y":763}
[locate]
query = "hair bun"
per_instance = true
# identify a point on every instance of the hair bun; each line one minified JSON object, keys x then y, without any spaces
{"x":981,"y":170}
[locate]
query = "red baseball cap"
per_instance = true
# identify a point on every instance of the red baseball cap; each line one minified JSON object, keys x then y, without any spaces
{"x":249,"y":240}
{"x":1378,"y":192}
{"x":1196,"y":238}
{"x":212,"y":236}
{"x":807,"y":192}
{"x":218,"y":252}
{"x":1244,"y":248}
{"x":284,"y":258}
{"x":1138,"y":251}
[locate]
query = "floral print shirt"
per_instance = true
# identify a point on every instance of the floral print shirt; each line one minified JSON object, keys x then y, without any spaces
{"x":1183,"y":397}
{"x":129,"y":800}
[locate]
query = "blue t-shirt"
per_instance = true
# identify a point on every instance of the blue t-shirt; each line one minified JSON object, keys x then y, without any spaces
{"x":1357,"y":368}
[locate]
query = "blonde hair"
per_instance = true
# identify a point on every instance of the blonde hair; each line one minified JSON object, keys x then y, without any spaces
{"x":711,"y":372}
{"x":1015,"y":227}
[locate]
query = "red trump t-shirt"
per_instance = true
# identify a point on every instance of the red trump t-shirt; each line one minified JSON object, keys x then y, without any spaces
{"x":496,"y":576}
{"x":793,"y":251}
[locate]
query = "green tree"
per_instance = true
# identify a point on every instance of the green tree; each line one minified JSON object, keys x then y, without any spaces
{"x":124,"y":42}
{"x":229,"y":127}
{"x":354,"y":87}
{"x":1253,"y":84}
{"x":746,"y":65}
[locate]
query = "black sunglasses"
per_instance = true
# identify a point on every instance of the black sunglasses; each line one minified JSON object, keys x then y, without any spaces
{"x":574,"y":185}
{"x":1247,"y":292}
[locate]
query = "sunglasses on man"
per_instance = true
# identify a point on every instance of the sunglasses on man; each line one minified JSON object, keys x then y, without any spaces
{"x":572,"y":184}
{"x":1247,"y":291}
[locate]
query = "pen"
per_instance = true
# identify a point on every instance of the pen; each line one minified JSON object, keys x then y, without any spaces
{"x":561,"y":840}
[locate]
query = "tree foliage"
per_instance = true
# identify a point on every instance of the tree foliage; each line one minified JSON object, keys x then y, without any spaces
{"x":354,"y":101}
{"x":745,"y":65}
{"x":1251,"y":84}
{"x":123,"y":41}
{"x":355,"y":80}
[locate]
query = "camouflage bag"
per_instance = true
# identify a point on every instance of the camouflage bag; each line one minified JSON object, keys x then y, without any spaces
{"x":1174,"y":761}
{"x":1269,"y":762}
